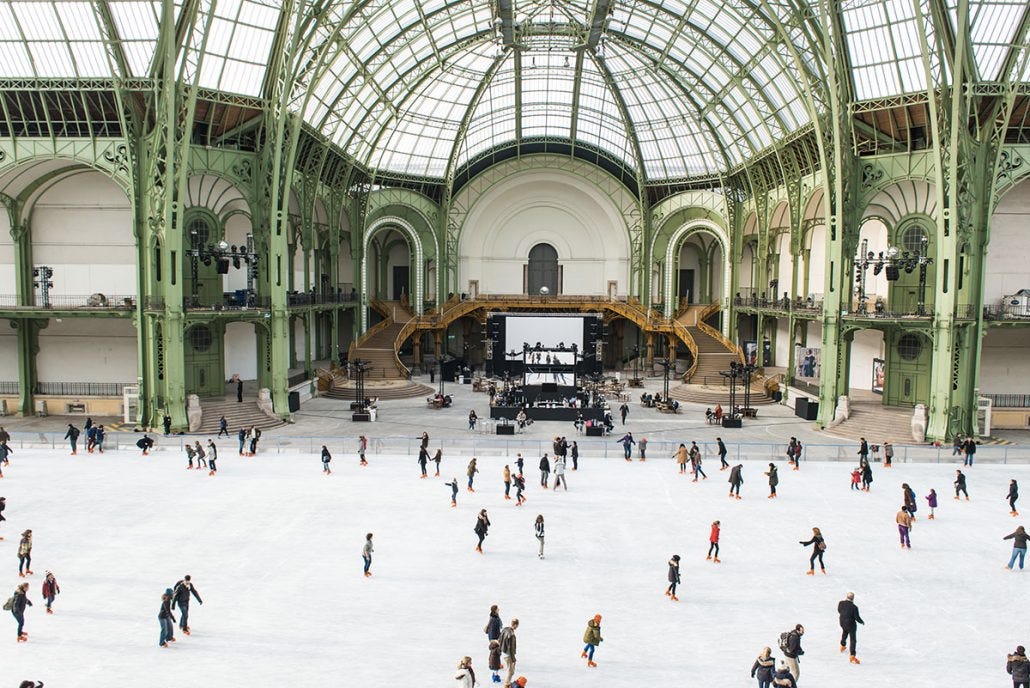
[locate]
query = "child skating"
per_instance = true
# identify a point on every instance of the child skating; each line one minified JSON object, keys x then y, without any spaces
{"x":674,"y":577}
{"x":454,"y":491}
{"x":326,"y":458}
{"x":592,"y":638}
{"x":904,"y":521}
{"x":713,"y":543}
{"x":856,"y":478}
{"x":366,"y":554}
{"x":931,"y":501}
{"x":50,"y":590}
{"x":471,"y":472}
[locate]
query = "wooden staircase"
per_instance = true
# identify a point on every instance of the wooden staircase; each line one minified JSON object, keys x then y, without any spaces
{"x":714,"y":352}
{"x":378,"y":346}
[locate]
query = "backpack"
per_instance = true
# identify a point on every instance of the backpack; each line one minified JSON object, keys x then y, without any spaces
{"x":9,"y":604}
{"x":781,"y":681}
{"x":782,"y":642}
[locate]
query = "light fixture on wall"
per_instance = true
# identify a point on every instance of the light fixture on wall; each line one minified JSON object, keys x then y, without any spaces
{"x":892,"y":262}
{"x":42,"y":275}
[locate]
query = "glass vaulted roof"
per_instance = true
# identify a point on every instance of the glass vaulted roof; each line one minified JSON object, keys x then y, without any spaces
{"x":668,"y":88}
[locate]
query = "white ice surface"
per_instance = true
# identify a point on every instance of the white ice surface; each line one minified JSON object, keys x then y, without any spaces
{"x":274,"y":548}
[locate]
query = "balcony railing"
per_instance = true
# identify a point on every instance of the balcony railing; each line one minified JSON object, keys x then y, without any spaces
{"x":1007,"y":312}
{"x":88,"y":302}
{"x":319,"y":299}
{"x":1009,"y":400}
{"x":82,"y":389}
{"x":799,"y":305}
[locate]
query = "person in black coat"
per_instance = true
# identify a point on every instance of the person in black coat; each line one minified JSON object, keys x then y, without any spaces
{"x":674,"y":577}
{"x":545,"y":470}
{"x":867,"y":477}
{"x":783,"y":676}
{"x":792,"y":653}
{"x":863,"y":450}
{"x":763,"y":668}
{"x":18,"y":604}
{"x":181,"y":596}
{"x":493,"y":624}
{"x":1013,"y":495}
{"x":1019,"y":668}
{"x":423,"y":459}
{"x":818,"y":547}
{"x":482,"y":526}
{"x":166,"y":619}
{"x":326,"y":458}
{"x":736,"y":480}
{"x":960,"y":484}
{"x":849,"y":620}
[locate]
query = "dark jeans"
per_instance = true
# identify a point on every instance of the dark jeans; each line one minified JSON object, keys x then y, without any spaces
{"x":735,"y":488}
{"x":845,"y":633}
{"x":672,"y":587}
{"x":20,"y":618}
{"x":213,"y":468}
{"x":242,"y":442}
{"x":575,"y":462}
{"x":816,"y":554}
{"x":74,"y":442}
{"x":507,"y":488}
{"x":713,"y":546}
{"x":368,"y":562}
{"x":697,"y":469}
{"x":722,"y":460}
{"x":423,"y":467}
{"x":589,"y":649}
{"x":166,"y":630}
{"x":184,"y":616}
{"x":26,"y":560}
{"x":480,"y":536}
{"x":543,"y":477}
{"x":962,"y":490}
{"x":49,"y":601}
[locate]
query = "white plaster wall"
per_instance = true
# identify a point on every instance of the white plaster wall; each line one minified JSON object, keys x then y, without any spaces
{"x":7,"y":281}
{"x":868,"y":344}
{"x":1008,"y":269}
{"x":786,"y":268}
{"x":817,"y":263}
{"x":717,"y":275}
{"x":1004,"y":363}
{"x":345,"y":264}
{"x":87,"y":350}
{"x":545,"y":206}
{"x":240,"y":350}
{"x":688,"y":260}
{"x":876,"y":232}
{"x":747,"y":268}
{"x":8,"y":352}
{"x":237,"y":227}
{"x":399,"y":255}
{"x":82,"y":227}
{"x":783,"y":342}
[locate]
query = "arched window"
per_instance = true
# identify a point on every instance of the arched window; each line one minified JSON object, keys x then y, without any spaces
{"x":543,"y":269}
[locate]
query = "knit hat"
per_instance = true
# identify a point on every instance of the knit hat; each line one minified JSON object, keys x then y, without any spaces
{"x":781,"y":665}
{"x":1020,"y":650}
{"x":168,"y":591}
{"x":521,"y":681}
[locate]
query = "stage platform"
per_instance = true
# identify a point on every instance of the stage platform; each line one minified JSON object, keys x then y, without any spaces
{"x":559,"y":413}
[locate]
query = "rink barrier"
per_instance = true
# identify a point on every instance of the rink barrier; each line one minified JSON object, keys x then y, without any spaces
{"x":532,"y":449}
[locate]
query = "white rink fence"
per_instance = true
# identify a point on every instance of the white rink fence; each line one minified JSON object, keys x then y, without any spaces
{"x":475,"y":444}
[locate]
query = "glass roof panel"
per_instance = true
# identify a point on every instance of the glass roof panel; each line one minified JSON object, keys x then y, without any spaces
{"x":884,"y":43}
{"x":241,"y":36}
{"x":992,"y":27}
{"x":136,"y":25}
{"x":52,"y":39}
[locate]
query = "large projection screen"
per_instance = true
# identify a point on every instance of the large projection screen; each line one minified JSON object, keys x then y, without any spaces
{"x":548,"y":331}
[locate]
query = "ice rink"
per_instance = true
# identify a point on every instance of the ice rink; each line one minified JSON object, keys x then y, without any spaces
{"x":274,"y":549}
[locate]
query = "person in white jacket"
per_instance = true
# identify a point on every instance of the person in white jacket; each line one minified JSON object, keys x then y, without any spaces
{"x":559,"y":473}
{"x":465,"y":676}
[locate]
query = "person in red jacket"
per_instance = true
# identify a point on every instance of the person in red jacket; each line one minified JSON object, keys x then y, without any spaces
{"x":713,"y":540}
{"x":50,"y":590}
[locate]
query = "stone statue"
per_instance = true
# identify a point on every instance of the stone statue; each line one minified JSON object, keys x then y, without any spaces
{"x":194,"y":415}
{"x":919,"y":423}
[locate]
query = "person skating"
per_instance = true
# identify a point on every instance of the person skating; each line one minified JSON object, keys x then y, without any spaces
{"x":509,"y":642}
{"x":909,"y":499}
{"x":713,"y":542}
{"x":1019,"y":538}
{"x":849,"y":619}
{"x":494,"y":662}
{"x":454,"y":491}
{"x":818,"y":547}
{"x":574,"y":454}
{"x":73,"y":437}
{"x":326,"y":458}
{"x":519,"y":462}
{"x":970,"y":451}
{"x":774,"y":480}
{"x":472,"y":420}
{"x":545,"y":470}
{"x":213,"y":453}
{"x":888,"y":454}
{"x":867,"y":477}
{"x":465,"y":676}
{"x":1019,"y":668}
{"x":674,"y":577}
{"x":366,"y":555}
{"x":471,"y":473}
{"x":559,"y":474}
{"x":507,"y":482}
{"x":695,"y":461}
{"x":166,"y":619}
{"x":863,"y":449}
{"x":19,"y":601}
{"x":255,"y":436}
{"x":25,"y":554}
{"x":363,"y":446}
{"x":736,"y":480}
{"x":627,"y":443}
{"x":790,"y":644}
{"x":145,"y":443}
{"x":223,"y":427}
{"x":493,"y":624}
{"x":190,"y":453}
{"x":482,"y":526}
{"x":798,"y":451}
{"x":904,"y":521}
{"x":423,"y":459}
{"x":91,"y":439}
{"x":856,"y":479}
{"x":50,"y":590}
{"x":782,"y":677}
{"x":960,"y":484}
{"x":931,"y":501}
{"x":1012,"y":496}
{"x":437,"y":458}
{"x":3,"y":505}
{"x":763,"y":668}
{"x":242,"y":437}
{"x":201,"y":455}
{"x":681,"y":458}
{"x":790,"y":450}
{"x":538,"y":528}
{"x":592,"y":638}
{"x":425,"y":441}
{"x":721,"y":450}
{"x":181,"y":593}
{"x":520,"y":486}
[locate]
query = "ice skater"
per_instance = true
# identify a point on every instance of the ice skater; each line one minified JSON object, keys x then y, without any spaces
{"x":931,"y":501}
{"x":213,"y":453}
{"x":242,"y":437}
{"x":681,"y":458}
{"x":493,"y":624}
{"x":181,"y":597}
{"x":763,"y":668}
{"x":559,"y":474}
{"x":509,"y":642}
{"x":713,"y":542}
{"x":849,"y":619}
{"x":25,"y":554}
{"x":471,"y":473}
{"x":592,"y":638}
{"x":223,"y":427}
{"x":867,"y":477}
{"x":201,"y":455}
{"x":674,"y":577}
{"x":145,"y":443}
{"x":363,"y":446}
{"x":255,"y":435}
{"x":190,"y":453}
{"x":520,"y":486}
{"x":539,"y":529}
{"x":818,"y":547}
{"x":366,"y":555}
{"x":519,"y":462}
{"x":627,"y":442}
{"x":736,"y":480}
{"x":507,"y":482}
{"x":545,"y":470}
{"x":1019,"y":538}
{"x":166,"y":619}
{"x":454,"y":491}
{"x":73,"y":437}
{"x":423,"y":459}
{"x":863,"y":450}
{"x":888,"y":454}
{"x":19,"y":601}
{"x":1019,"y":668}
{"x":5,"y":454}
{"x":50,"y":590}
{"x":856,"y":479}
{"x":909,"y":499}
{"x":482,"y":526}
{"x":904,"y":521}
{"x":494,"y":662}
{"x":790,"y":643}
{"x":791,"y":450}
{"x":437,"y":458}
{"x":695,"y":461}
{"x":3,"y":505}
{"x":1012,"y":496}
{"x":774,"y":480}
{"x":960,"y":484}
{"x":721,"y":449}
{"x":326,"y":458}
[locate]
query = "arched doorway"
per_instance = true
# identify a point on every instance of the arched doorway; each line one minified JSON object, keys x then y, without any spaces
{"x":543,"y":270}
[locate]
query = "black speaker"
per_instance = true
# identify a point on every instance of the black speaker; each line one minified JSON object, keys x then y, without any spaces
{"x":595,"y":431}
{"x":294,"y":401}
{"x":806,"y":408}
{"x":728,"y":422}
{"x":223,"y":266}
{"x":892,"y":273}
{"x":547,"y":387}
{"x":361,"y":417}
{"x":505,"y":429}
